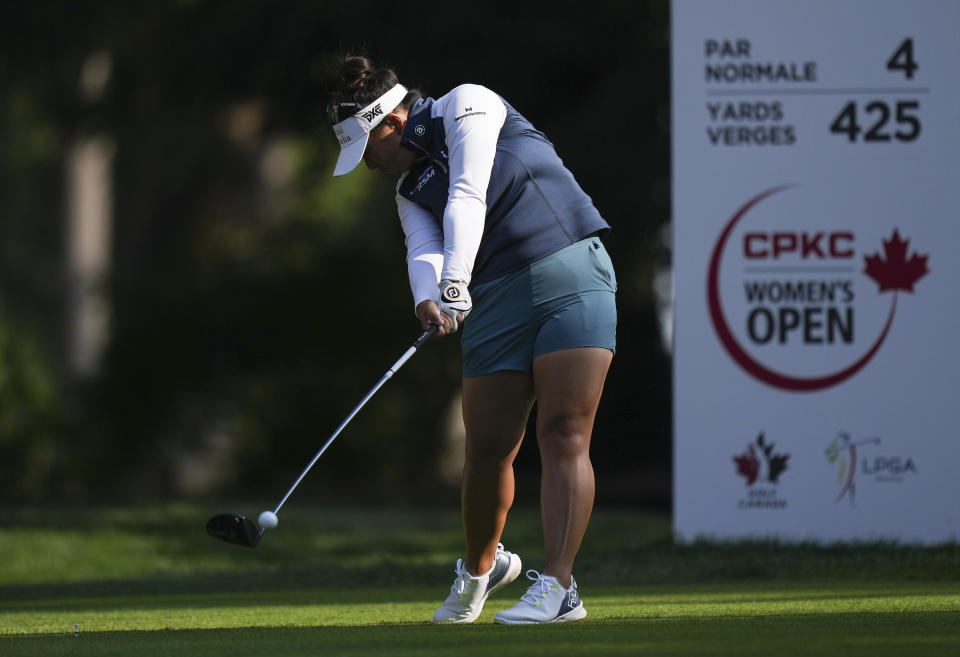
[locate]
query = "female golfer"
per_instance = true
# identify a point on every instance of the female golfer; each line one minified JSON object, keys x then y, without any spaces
{"x":504,"y":246}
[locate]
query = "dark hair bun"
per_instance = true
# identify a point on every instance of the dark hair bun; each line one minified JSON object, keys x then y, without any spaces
{"x":354,"y":71}
{"x":359,"y":81}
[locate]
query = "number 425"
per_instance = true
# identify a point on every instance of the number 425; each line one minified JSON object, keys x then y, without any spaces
{"x":878,"y":114}
{"x":904,"y":112}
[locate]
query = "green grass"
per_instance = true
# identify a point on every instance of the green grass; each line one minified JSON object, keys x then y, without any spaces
{"x":333,"y":582}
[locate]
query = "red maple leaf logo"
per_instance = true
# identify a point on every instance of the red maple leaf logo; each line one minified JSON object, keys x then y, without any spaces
{"x":895,"y":271}
{"x":748,"y":465}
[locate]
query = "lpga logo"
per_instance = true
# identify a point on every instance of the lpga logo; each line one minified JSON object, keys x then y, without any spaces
{"x":843,"y":452}
{"x":794,"y":298}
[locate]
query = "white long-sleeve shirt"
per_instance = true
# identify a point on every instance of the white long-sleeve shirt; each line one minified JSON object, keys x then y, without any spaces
{"x":472,"y":117}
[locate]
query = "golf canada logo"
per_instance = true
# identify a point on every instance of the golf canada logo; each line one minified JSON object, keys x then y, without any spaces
{"x":761,"y":466}
{"x":843,"y":453}
{"x":795,"y":303}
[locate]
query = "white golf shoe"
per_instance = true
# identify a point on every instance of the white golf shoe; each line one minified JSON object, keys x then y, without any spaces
{"x":468,"y":593}
{"x":544,"y":602}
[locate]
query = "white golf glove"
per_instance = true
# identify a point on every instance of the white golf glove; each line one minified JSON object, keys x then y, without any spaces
{"x":455,"y":300}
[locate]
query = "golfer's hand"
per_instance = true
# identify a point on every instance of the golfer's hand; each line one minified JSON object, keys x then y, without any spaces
{"x":429,"y":315}
{"x":455,"y":301}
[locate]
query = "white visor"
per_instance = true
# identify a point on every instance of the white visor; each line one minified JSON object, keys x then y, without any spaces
{"x":353,"y":131}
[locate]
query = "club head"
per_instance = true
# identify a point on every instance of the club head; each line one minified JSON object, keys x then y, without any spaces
{"x":234,"y":528}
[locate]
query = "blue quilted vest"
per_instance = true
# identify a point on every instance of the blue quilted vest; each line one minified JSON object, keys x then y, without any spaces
{"x":534,"y":205}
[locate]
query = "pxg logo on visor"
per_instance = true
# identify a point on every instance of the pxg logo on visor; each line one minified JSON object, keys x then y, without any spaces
{"x":353,"y":131}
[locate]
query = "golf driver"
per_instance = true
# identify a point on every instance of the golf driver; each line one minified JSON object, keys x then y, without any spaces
{"x":238,"y":529}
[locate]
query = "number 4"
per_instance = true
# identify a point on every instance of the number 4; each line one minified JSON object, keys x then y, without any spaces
{"x":902,"y":59}
{"x":846,"y":122}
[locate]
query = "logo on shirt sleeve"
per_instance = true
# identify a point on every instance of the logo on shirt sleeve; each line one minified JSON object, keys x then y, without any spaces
{"x":468,"y":111}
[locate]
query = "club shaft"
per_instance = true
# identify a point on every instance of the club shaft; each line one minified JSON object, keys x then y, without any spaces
{"x":386,"y":377}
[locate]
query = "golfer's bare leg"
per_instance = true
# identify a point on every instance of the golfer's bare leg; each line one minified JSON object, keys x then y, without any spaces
{"x":495,"y":412}
{"x":568,"y":387}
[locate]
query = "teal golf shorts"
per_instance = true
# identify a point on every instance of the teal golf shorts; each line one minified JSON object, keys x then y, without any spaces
{"x":565,"y":300}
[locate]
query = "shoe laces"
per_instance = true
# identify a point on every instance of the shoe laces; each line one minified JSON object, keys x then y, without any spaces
{"x":464,"y":576}
{"x":537,"y":590}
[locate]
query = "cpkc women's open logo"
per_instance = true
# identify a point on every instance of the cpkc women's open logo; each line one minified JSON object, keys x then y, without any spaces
{"x":893,"y":271}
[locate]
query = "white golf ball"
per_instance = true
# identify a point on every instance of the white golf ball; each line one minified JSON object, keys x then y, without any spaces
{"x":268,"y":520}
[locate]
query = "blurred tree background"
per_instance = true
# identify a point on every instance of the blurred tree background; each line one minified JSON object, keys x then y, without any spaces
{"x":246,"y":300}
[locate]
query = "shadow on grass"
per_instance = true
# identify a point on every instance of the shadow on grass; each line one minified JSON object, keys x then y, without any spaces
{"x":66,"y":555}
{"x":244,"y":578}
{"x":851,"y":634}
{"x":205,"y":593}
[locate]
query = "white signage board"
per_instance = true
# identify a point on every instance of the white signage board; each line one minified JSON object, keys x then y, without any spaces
{"x":816,"y":254}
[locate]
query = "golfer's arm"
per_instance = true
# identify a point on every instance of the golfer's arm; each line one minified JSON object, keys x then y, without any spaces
{"x":472,"y":119}
{"x":424,"y":242}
